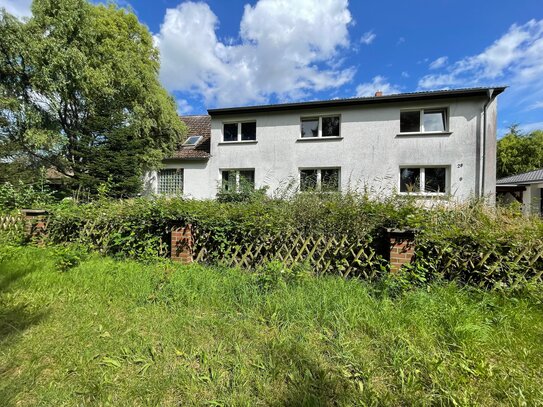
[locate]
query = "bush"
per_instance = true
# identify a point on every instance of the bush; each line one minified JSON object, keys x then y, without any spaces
{"x":275,"y":275}
{"x":470,"y":243}
{"x":20,"y":195}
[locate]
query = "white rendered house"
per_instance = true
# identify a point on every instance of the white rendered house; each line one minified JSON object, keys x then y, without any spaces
{"x":431,"y":144}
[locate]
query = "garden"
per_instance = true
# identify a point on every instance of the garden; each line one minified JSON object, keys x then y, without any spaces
{"x":93,"y":312}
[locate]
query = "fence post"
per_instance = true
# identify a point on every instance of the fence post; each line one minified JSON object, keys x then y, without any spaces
{"x":181,"y":244}
{"x":402,"y":247}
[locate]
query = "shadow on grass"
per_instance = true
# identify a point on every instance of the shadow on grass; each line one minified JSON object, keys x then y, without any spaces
{"x":15,"y":319}
{"x":309,"y":383}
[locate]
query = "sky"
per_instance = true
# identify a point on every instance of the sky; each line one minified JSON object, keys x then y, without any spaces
{"x":221,"y":53}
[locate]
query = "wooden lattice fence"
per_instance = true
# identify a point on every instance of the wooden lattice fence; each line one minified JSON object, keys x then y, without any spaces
{"x":325,"y":253}
{"x":11,"y":223}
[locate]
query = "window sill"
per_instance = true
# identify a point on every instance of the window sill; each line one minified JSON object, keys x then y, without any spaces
{"x":221,"y":143}
{"x":442,"y":195}
{"x":425,"y":133}
{"x":304,"y":139}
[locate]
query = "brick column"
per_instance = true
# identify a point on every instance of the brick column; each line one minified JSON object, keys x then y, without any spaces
{"x":181,"y":244}
{"x":35,"y":222}
{"x":402,"y":247}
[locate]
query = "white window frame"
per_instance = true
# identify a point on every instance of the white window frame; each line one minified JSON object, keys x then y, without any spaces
{"x":238,"y":139}
{"x":319,"y":177}
{"x":422,"y":180}
{"x":319,"y":130}
{"x":238,"y":177}
{"x":421,"y":120}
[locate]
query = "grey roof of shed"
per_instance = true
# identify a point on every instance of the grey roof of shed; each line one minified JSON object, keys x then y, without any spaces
{"x":530,"y":177}
{"x":399,"y":97}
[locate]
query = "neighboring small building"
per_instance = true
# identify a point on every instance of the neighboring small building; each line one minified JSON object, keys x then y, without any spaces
{"x":526,"y":188}
{"x":430,"y":144}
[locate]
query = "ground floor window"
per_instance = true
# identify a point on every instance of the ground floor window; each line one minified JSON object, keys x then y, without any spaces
{"x":170,"y":181}
{"x":319,"y":179}
{"x":238,"y":180}
{"x":425,"y":180}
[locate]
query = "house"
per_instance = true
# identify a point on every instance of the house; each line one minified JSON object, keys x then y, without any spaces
{"x":430,"y":144}
{"x":526,"y":188}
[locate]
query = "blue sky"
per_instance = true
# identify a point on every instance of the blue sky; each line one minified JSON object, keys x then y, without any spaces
{"x":223,"y":53}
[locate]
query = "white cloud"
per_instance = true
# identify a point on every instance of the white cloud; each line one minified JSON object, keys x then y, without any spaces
{"x":405,"y":74}
{"x":516,"y":57}
{"x":400,"y":41}
{"x":536,"y":105}
{"x":439,"y":63}
{"x":282,"y":51}
{"x":183,"y":106}
{"x":368,"y":37}
{"x":378,"y":83}
{"x":19,"y":8}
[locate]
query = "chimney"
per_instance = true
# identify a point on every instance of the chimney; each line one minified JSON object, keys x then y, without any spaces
{"x":378,"y":93}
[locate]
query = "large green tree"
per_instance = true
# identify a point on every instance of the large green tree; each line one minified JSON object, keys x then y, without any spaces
{"x":519,"y":152}
{"x":79,"y":92}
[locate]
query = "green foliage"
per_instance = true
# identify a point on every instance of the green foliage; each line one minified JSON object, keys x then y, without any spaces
{"x":275,"y":275}
{"x":518,"y":152}
{"x":471,"y":243}
{"x":124,"y":333}
{"x":23,"y":196}
{"x":69,"y":256}
{"x":79,"y":92}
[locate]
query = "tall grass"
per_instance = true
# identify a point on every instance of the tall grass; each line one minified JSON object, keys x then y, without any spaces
{"x":121,"y":333}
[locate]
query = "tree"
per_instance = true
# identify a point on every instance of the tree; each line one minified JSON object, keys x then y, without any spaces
{"x":79,"y":92}
{"x":518,"y":152}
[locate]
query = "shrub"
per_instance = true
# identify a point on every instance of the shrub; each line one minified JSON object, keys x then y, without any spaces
{"x":20,"y":195}
{"x":275,"y":275}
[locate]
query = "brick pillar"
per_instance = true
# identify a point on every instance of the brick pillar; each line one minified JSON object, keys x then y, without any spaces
{"x":35,"y":222}
{"x":402,"y":247}
{"x":181,"y":244}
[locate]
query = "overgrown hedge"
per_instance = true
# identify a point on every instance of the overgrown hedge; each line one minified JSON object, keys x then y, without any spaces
{"x":470,"y":243}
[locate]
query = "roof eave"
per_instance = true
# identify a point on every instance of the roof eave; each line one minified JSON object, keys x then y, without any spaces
{"x":444,"y":94}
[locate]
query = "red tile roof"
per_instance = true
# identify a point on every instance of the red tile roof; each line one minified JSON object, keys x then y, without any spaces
{"x":197,"y":126}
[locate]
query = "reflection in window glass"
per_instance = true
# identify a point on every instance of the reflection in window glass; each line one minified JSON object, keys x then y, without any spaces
{"x":229,"y":181}
{"x":230,"y":132}
{"x":248,"y":131}
{"x":434,"y":180}
{"x":410,"y":121}
{"x":330,"y":180}
{"x":330,"y":126}
{"x":246,"y":180}
{"x":434,"y":120}
{"x":310,"y":128}
{"x":410,"y":180}
{"x":308,"y":180}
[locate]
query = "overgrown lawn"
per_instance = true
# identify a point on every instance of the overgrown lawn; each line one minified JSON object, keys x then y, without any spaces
{"x":124,"y":333}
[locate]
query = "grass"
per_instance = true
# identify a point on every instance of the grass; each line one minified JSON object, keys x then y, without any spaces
{"x":122,"y":333}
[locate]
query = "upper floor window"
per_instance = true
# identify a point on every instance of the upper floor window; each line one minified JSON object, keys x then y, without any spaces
{"x":424,"y":180}
{"x":238,"y":180}
{"x":323,"y":126}
{"x":319,"y":179}
{"x":424,"y":121}
{"x":241,"y":131}
{"x":170,"y":181}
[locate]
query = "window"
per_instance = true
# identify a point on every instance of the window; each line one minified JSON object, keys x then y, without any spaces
{"x":238,"y":180}
{"x":325,"y":126}
{"x":192,"y":140}
{"x":326,"y":179}
{"x":423,"y":121}
{"x":245,"y":131}
{"x":429,"y":180}
{"x":170,"y":181}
